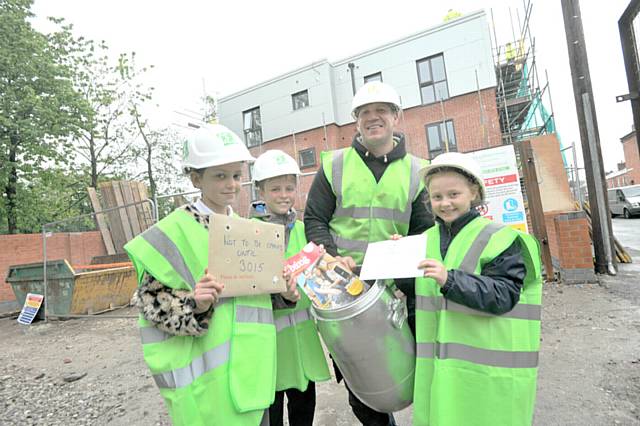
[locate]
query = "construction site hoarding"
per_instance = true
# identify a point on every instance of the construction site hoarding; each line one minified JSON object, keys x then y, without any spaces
{"x":504,"y":199}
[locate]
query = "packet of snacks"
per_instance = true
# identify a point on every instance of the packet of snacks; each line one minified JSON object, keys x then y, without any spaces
{"x":325,"y":281}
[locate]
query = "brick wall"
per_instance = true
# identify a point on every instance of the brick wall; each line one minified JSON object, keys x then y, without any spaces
{"x":620,"y":180}
{"x":570,"y":245}
{"x":463,"y":110}
{"x":631,"y":159}
{"x":76,"y":247}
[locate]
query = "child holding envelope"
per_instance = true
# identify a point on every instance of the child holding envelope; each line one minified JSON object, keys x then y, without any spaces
{"x":212,"y":359}
{"x":477,"y":308}
{"x":301,"y":360}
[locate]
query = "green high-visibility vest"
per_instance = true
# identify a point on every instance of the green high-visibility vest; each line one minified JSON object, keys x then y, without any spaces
{"x":300,"y":354}
{"x":366,"y":210}
{"x":227,"y":376}
{"x":472,"y":367}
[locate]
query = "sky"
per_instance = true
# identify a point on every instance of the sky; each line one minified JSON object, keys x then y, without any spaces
{"x":225,"y":46}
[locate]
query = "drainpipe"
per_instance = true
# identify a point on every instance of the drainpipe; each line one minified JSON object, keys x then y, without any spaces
{"x":351,"y":66}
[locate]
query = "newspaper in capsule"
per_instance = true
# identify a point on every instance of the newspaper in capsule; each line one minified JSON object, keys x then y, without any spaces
{"x":326,"y":282}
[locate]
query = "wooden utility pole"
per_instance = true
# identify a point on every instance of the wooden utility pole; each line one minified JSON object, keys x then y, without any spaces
{"x":589,"y":136}
{"x":628,"y":40}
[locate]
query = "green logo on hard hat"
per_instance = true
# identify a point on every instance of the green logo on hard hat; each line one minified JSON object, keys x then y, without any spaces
{"x":280,"y":160}
{"x":185,"y":150}
{"x":227,"y":138}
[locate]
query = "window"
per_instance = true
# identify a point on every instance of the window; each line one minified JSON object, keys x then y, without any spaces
{"x":439,"y":135}
{"x":373,"y":77}
{"x":300,"y":100}
{"x":252,"y":127}
{"x":432,"y":79}
{"x":307,"y":158}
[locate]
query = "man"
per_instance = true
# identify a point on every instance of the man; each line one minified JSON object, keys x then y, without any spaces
{"x":366,"y":193}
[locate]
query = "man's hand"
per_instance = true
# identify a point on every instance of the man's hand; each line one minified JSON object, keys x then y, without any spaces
{"x":207,"y":292}
{"x":434,"y":269}
{"x":347,"y":261}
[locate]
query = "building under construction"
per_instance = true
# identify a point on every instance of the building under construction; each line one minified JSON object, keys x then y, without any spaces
{"x":461,"y":89}
{"x":520,"y":97}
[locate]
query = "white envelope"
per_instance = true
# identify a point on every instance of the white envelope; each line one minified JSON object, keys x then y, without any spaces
{"x":394,"y":259}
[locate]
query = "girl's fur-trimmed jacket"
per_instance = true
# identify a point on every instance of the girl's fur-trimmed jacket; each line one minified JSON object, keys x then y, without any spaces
{"x":173,"y":311}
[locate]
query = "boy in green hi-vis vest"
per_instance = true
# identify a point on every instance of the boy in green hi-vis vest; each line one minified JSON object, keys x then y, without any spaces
{"x":477,"y":308}
{"x":301,"y":361}
{"x":213,"y":358}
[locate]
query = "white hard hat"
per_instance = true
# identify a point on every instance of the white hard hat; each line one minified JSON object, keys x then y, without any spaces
{"x":213,"y":145}
{"x":457,"y":160}
{"x":274,"y":163}
{"x":375,"y":91}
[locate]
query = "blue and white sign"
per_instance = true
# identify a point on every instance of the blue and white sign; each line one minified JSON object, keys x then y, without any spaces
{"x":510,"y":204}
{"x":505,"y":203}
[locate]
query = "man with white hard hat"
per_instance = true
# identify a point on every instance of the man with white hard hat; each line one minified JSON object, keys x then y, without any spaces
{"x":366,"y":193}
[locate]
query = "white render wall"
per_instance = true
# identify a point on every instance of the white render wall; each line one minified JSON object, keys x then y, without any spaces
{"x":276,"y":107}
{"x":464,"y":42}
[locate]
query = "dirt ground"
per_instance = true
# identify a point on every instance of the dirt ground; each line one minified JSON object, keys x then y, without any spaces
{"x":589,"y":366}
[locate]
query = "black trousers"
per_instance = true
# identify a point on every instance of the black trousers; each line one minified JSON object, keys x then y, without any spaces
{"x":365,"y":414}
{"x":300,"y":406}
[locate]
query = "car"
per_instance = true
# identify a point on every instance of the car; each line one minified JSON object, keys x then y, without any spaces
{"x":624,"y":200}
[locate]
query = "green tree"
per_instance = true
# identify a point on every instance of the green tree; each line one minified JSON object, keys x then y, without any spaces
{"x":40,"y":110}
{"x":104,"y":144}
{"x":158,"y":150}
{"x":54,"y":194}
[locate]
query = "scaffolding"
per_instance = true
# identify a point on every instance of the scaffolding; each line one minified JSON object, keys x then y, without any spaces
{"x":519,"y":96}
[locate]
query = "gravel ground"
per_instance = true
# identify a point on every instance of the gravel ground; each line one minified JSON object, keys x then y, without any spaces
{"x":90,"y":371}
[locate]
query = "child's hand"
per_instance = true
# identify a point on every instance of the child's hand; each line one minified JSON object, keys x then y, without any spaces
{"x":292,"y":293}
{"x":395,"y":237}
{"x":207,"y":292}
{"x":434,"y":269}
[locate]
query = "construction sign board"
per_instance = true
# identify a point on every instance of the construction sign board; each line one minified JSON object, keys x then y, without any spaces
{"x":505,"y":203}
{"x":30,"y":309}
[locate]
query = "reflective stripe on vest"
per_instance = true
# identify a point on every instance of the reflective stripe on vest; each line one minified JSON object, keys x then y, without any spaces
{"x":349,"y":245}
{"x":211,"y":359}
{"x":153,"y":335}
{"x":438,"y":303}
{"x":243,"y":314}
{"x":292,"y":319}
{"x":238,"y":351}
{"x":167,"y":248}
{"x":337,"y":172}
{"x":467,"y":355}
{"x":253,"y":314}
{"x":492,"y":358}
{"x":184,"y":376}
{"x":472,"y":257}
{"x":468,"y":264}
{"x":372,"y":212}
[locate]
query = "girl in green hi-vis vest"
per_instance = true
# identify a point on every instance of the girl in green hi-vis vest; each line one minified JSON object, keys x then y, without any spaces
{"x":477,"y":308}
{"x":300,"y":361}
{"x":213,"y":358}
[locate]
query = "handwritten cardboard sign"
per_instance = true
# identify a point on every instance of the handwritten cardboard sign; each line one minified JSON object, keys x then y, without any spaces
{"x":246,"y":255}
